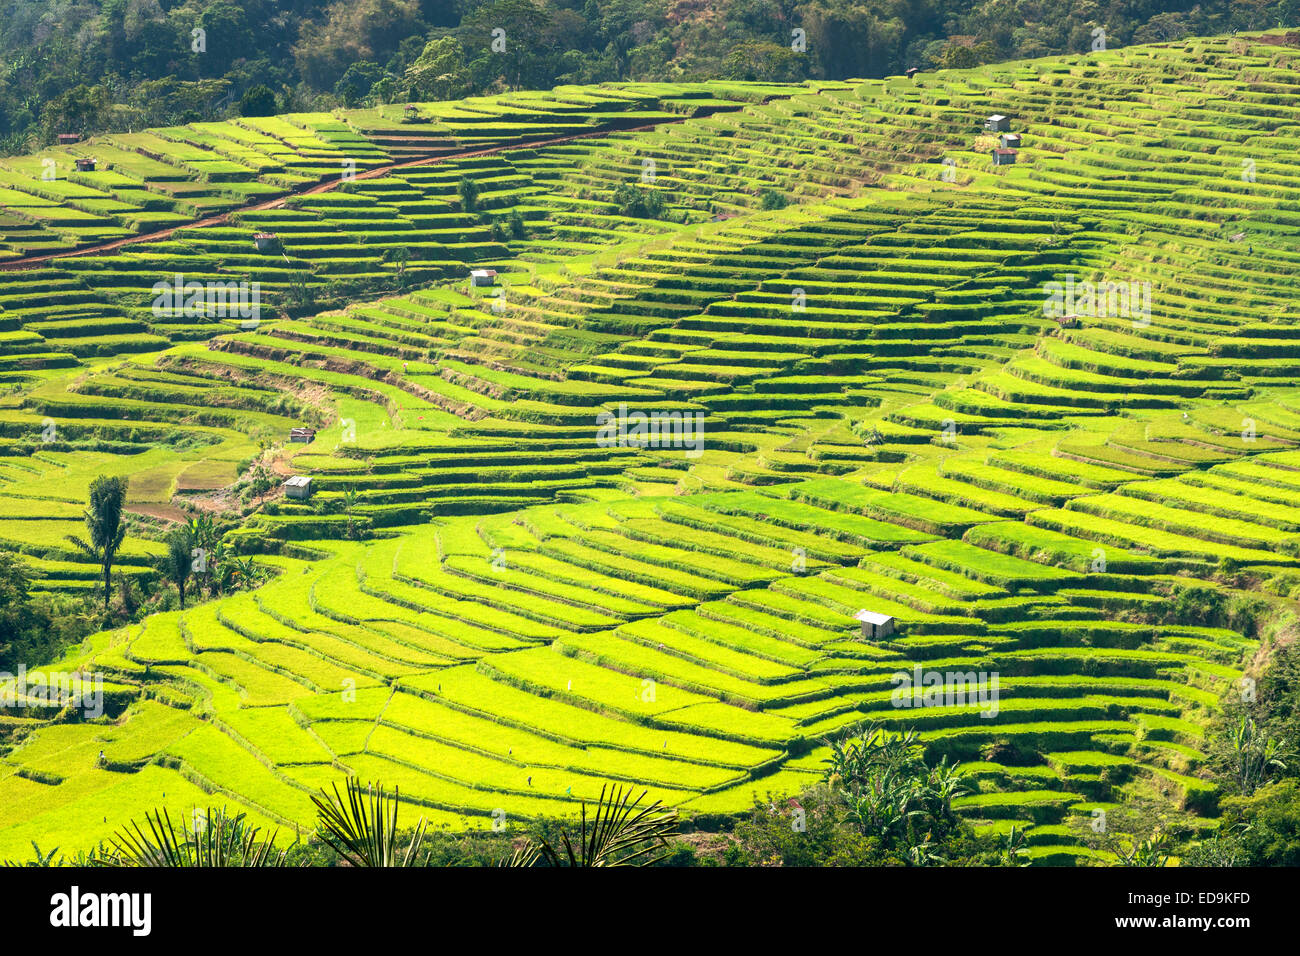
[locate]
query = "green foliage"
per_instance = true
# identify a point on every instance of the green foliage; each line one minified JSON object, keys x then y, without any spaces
{"x":1259,"y":830}
{"x":518,"y":230}
{"x":178,"y":562}
{"x":216,"y":839}
{"x":104,"y":524}
{"x":769,"y":837}
{"x":893,"y":796}
{"x":439,"y":72}
{"x":18,"y":618}
{"x":148,"y":72}
{"x":638,"y":203}
{"x":1256,"y":756}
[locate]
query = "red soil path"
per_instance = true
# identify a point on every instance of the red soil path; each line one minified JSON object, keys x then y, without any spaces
{"x":32,"y":262}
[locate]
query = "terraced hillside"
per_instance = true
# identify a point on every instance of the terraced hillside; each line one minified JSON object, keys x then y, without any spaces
{"x":901,"y":392}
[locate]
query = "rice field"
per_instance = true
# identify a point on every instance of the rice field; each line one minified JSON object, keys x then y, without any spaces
{"x":500,"y":597}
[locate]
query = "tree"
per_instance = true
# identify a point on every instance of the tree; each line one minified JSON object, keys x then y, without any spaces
{"x":517,"y":227}
{"x":467,"y":189}
{"x":104,"y":524}
{"x":18,"y":618}
{"x":261,"y":481}
{"x":218,"y":567}
{"x":258,"y":101}
{"x":439,"y":72}
{"x":853,"y":39}
{"x":78,"y":110}
{"x":243,"y":572}
{"x":525,"y":27}
{"x":227,"y":33}
{"x":351,"y":31}
{"x":757,"y":60}
{"x":178,"y":563}
{"x":355,"y":84}
{"x":399,"y":256}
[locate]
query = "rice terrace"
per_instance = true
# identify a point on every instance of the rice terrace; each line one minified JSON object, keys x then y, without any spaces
{"x":752,"y":444}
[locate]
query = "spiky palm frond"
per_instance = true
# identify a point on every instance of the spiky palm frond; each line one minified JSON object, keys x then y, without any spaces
{"x":523,"y":856}
{"x":219,"y":840}
{"x":363,"y":828}
{"x":620,"y":832}
{"x":82,"y":545}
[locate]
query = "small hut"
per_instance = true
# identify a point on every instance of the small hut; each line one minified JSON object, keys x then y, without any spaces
{"x":67,"y":139}
{"x":874,"y":625}
{"x":910,"y":72}
{"x":1009,"y":141}
{"x":1004,"y":157}
{"x":997,"y":123}
{"x":483,"y":277}
{"x":85,"y":165}
{"x":302,"y":435}
{"x":299,"y":486}
{"x":266,"y":241}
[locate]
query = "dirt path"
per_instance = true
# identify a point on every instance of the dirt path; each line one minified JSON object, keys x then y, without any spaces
{"x":95,"y":249}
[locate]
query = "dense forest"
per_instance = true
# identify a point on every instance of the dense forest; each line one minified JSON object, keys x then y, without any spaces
{"x":91,"y":65}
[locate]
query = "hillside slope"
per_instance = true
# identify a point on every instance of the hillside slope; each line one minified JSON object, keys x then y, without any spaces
{"x":902,"y":400}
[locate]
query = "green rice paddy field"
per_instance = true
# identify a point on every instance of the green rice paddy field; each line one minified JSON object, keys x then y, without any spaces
{"x":523,"y":612}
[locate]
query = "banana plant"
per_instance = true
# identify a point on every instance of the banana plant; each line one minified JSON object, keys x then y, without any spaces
{"x":1256,"y":755}
{"x":1013,"y":851}
{"x":243,"y":572}
{"x":1149,"y":852}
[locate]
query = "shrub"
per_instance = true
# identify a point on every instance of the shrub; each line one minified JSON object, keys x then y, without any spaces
{"x":639,"y":203}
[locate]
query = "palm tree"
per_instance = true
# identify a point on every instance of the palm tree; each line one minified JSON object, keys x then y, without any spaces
{"x":219,"y":840}
{"x":104,"y":523}
{"x":363,"y":828}
{"x":621,"y":833}
{"x":179,"y":561}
